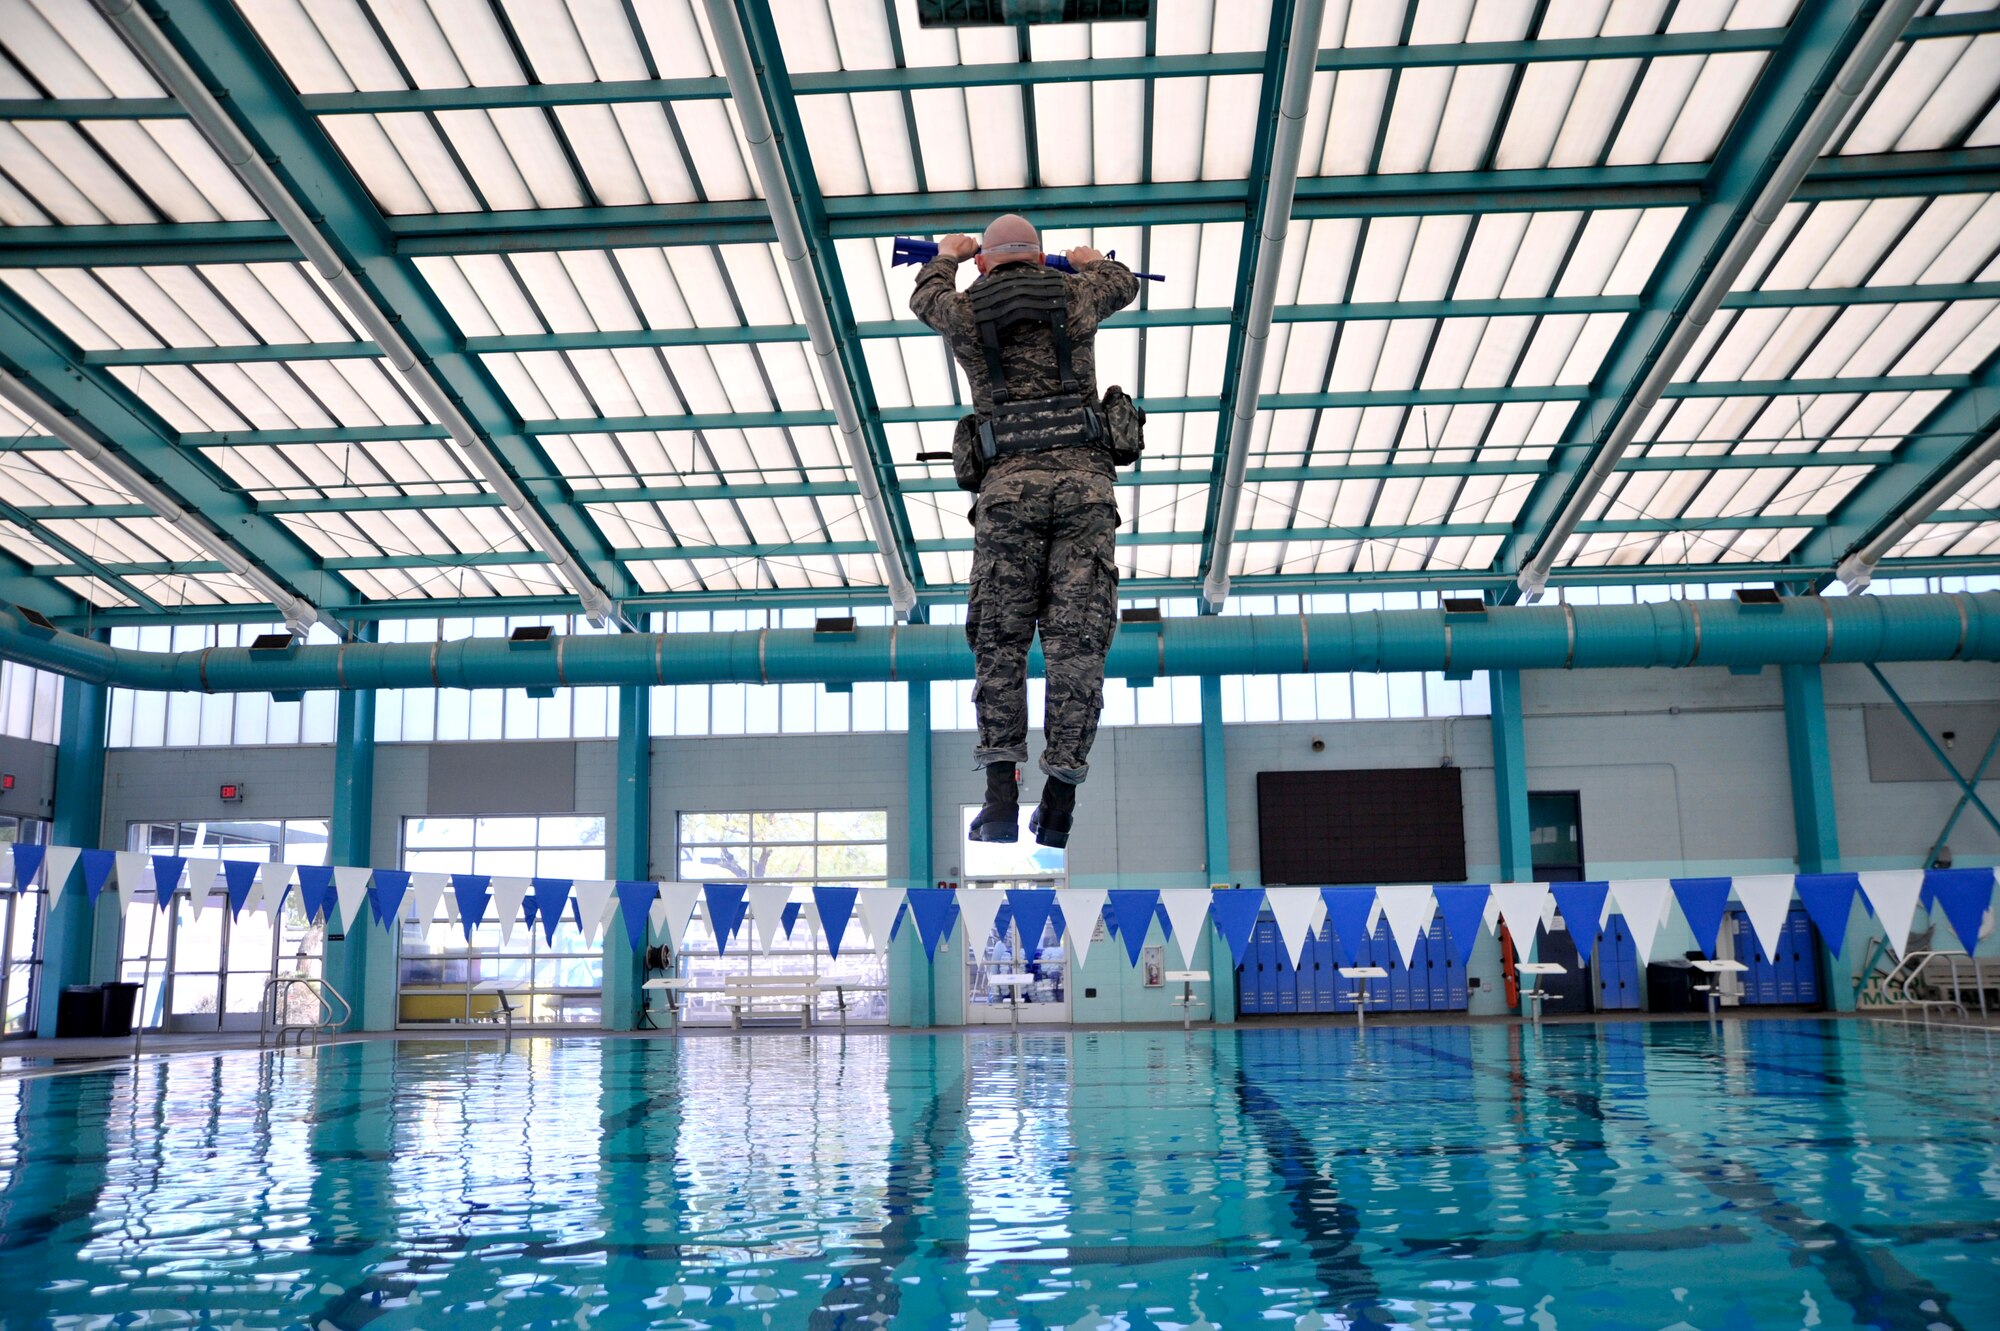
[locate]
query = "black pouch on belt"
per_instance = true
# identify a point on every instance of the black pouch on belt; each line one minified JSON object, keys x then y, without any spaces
{"x":968,"y":462}
{"x":1125,"y":422}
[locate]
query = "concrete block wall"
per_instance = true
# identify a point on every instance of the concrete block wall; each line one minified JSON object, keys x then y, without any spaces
{"x":1680,"y":772}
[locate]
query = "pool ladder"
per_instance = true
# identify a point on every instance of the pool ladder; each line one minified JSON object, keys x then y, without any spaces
{"x":274,"y":1014}
{"x":1900,"y":988}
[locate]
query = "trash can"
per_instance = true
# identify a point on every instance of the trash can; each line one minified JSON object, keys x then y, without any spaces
{"x":80,"y":1011}
{"x":121,"y":1001}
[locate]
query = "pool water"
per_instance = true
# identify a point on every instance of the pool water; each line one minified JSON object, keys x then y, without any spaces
{"x":1759,"y":1174}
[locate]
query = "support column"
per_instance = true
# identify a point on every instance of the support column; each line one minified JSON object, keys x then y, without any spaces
{"x":1812,"y":769}
{"x":1510,"y":777}
{"x":912,"y":976}
{"x":79,"y":943}
{"x":361,"y":962}
{"x":631,"y":851}
{"x":1215,"y":826}
{"x":1813,"y":819}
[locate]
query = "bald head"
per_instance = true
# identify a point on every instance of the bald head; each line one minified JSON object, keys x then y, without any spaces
{"x":1010,"y":239}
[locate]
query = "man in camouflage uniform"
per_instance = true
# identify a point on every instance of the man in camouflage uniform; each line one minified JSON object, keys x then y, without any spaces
{"x":1047,"y":513}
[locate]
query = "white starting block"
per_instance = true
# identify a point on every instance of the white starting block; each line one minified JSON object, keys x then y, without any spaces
{"x":1530,"y":995}
{"x":1187,"y":1002}
{"x":1358,"y":995}
{"x":673,"y":986}
{"x":1015,"y":982}
{"x":1715,"y":970}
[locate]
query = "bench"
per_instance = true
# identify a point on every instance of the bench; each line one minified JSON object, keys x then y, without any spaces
{"x":743,"y":993}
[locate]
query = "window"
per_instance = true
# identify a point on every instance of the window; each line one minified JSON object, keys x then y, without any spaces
{"x":203,"y":971}
{"x":424,"y":715}
{"x":21,"y":911}
{"x":444,"y":979}
{"x":141,"y":719}
{"x":30,"y":703}
{"x":775,"y":709}
{"x":801,"y":848}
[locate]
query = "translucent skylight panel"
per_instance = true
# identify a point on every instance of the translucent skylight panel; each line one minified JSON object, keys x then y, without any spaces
{"x":1935,"y":92}
{"x":1951,"y":241}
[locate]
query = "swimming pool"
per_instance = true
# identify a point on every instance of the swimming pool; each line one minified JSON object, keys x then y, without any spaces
{"x":1766,"y":1173}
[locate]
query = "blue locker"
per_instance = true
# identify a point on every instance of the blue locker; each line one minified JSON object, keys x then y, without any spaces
{"x":1390,"y":958}
{"x":1326,"y":979}
{"x":1618,"y":968}
{"x":1266,"y":948}
{"x":1420,"y":973}
{"x":1806,"y":957}
{"x":1437,"y":961}
{"x":1287,"y":975}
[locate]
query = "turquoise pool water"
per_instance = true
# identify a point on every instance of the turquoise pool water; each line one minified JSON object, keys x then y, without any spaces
{"x":1766,"y":1174}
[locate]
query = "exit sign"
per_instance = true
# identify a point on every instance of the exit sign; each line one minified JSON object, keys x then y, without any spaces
{"x":6,"y":781}
{"x":232,"y":793}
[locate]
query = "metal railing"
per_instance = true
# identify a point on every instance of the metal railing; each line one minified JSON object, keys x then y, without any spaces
{"x":274,"y":1012}
{"x":1916,"y":985}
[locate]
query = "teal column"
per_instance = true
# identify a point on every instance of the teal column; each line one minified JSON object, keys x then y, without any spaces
{"x":912,"y":977}
{"x":1812,"y":769}
{"x":1813,"y":819}
{"x":922,"y":808}
{"x":1510,"y":777}
{"x":1215,"y":826}
{"x":631,"y":852}
{"x":361,"y":958}
{"x":79,"y":942}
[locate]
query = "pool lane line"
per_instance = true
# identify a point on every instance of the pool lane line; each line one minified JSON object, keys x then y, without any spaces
{"x":1330,"y":1227}
{"x":1827,"y":1245}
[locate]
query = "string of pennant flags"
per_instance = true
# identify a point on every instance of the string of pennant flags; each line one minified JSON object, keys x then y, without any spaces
{"x":388,"y":896}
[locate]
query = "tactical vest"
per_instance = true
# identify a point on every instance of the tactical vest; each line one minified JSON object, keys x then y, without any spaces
{"x":1011,"y":296}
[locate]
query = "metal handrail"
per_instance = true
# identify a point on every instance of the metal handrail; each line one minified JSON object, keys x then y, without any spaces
{"x":270,"y":1017}
{"x":1909,"y":970}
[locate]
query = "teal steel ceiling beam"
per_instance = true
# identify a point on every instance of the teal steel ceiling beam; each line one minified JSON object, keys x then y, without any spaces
{"x":1828,"y":58}
{"x":76,"y":555}
{"x":1645,"y":46}
{"x":20,"y":586}
{"x":1126,"y":540}
{"x":1353,"y":582}
{"x":1638,"y":46}
{"x":753,"y":59}
{"x":1347,"y":312}
{"x":696,"y":490}
{"x":1668,"y":634}
{"x":1415,"y":397}
{"x":868,"y":216}
{"x":91,"y":401}
{"x":283,"y":158}
{"x":1947,"y":445}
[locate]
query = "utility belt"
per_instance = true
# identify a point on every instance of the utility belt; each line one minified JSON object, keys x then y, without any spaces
{"x":1044,"y":424}
{"x":1041,"y":425}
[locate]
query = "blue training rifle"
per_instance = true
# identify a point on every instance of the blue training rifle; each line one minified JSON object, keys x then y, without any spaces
{"x":911,"y":250}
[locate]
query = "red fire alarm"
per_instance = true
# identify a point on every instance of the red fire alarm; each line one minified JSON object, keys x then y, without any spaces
{"x":232,"y":793}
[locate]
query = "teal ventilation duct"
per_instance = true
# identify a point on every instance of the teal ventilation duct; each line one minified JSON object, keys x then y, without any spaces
{"x":1798,"y":631}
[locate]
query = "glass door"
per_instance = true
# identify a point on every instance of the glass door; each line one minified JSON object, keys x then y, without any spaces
{"x":202,"y":971}
{"x":1004,"y":952}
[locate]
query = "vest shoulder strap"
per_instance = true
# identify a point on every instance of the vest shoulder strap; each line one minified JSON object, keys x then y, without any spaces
{"x":1017,"y":294}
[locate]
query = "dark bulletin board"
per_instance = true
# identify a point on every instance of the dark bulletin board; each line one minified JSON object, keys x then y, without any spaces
{"x":1392,"y":825}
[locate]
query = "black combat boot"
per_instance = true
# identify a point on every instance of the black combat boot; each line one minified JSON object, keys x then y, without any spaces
{"x":1051,"y":820}
{"x":1000,"y":819}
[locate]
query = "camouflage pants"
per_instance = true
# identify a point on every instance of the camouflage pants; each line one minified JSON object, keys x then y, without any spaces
{"x":1042,"y":555}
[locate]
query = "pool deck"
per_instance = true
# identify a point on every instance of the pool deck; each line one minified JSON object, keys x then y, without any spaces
{"x":41,"y":1057}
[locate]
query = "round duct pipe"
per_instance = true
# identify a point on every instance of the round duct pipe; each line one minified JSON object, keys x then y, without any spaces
{"x":1797,"y":631}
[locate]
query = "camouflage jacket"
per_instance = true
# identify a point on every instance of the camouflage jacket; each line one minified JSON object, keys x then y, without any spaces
{"x":1099,"y":290}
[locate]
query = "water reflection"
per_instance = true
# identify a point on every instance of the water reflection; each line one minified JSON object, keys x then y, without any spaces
{"x":1622,"y":1176}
